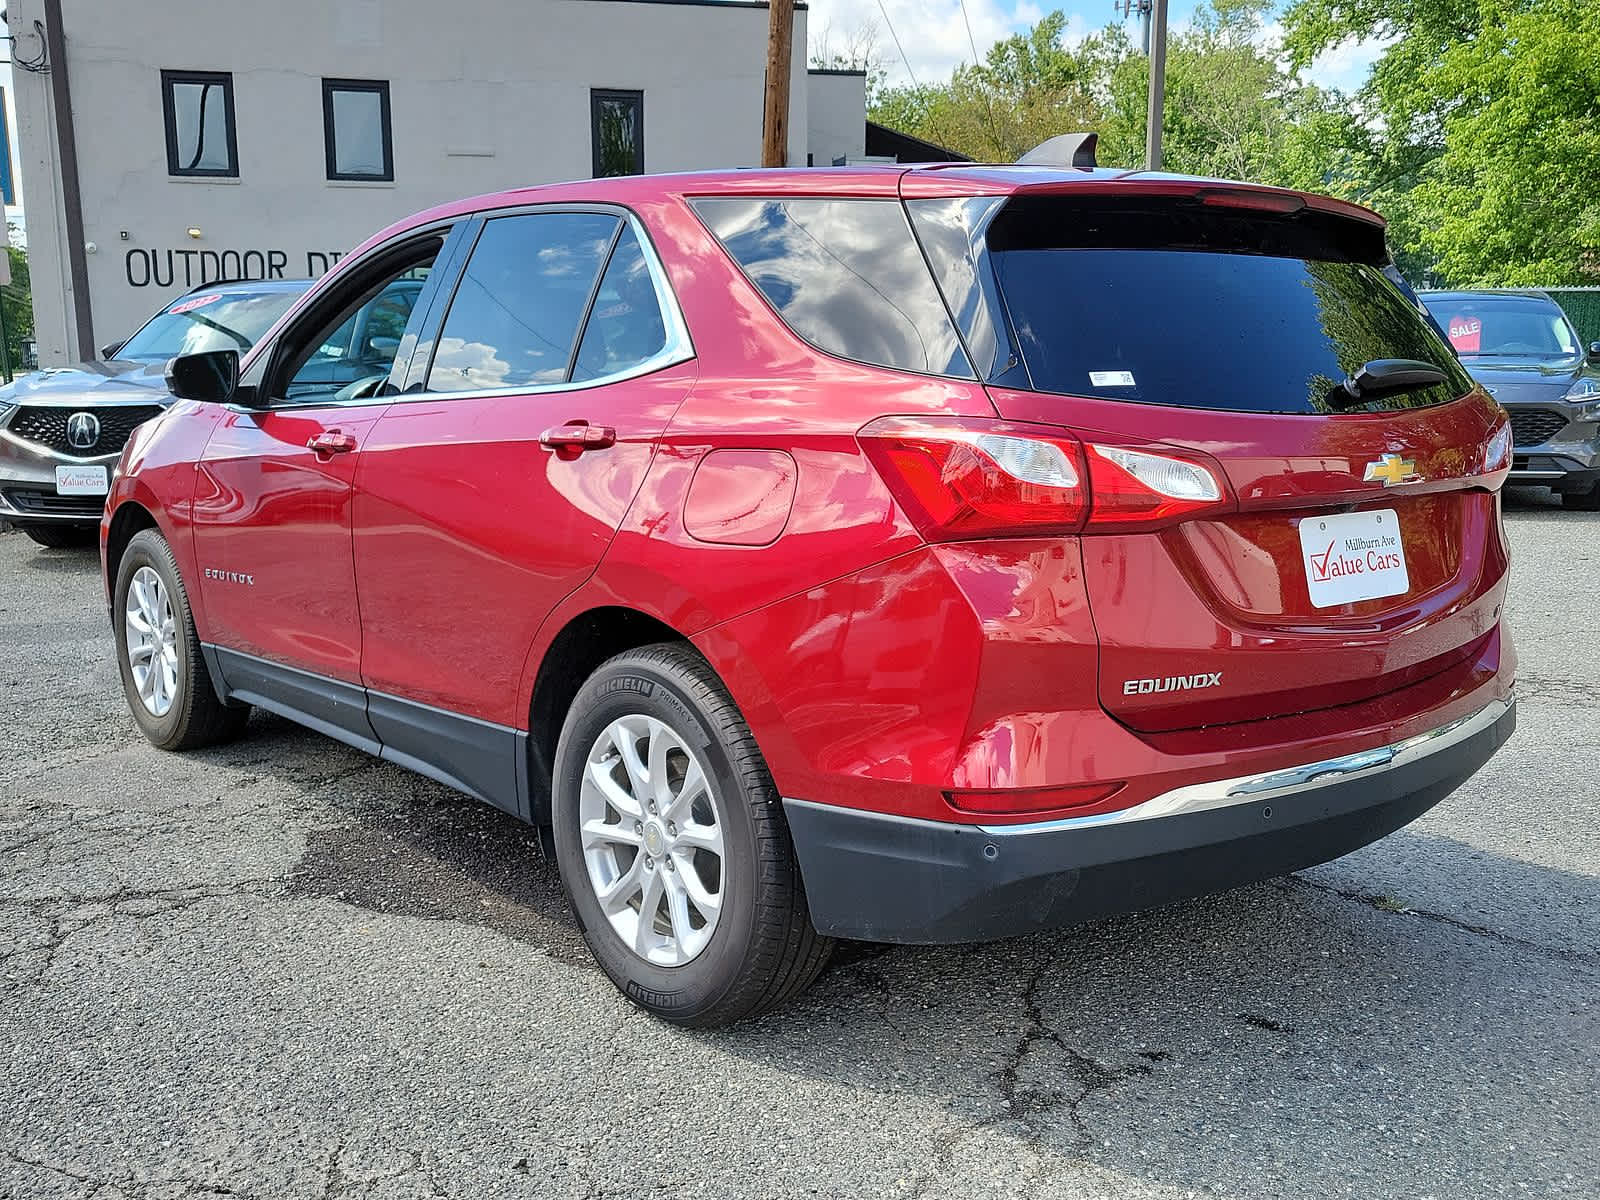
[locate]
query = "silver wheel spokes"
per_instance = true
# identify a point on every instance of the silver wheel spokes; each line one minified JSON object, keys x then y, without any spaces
{"x":152,"y":641}
{"x":652,"y":840}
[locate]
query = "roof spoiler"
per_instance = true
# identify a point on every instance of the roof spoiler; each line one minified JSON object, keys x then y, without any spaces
{"x":1063,"y":150}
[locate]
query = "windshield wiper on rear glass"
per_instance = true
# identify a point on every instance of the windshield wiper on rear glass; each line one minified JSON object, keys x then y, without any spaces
{"x":1383,"y":377}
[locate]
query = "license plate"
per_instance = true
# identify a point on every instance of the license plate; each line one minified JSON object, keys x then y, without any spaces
{"x":81,"y":481}
{"x":1353,"y":556}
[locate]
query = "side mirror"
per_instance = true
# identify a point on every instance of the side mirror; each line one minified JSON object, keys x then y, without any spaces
{"x":109,"y":350}
{"x":211,"y":377}
{"x":1594,"y":352}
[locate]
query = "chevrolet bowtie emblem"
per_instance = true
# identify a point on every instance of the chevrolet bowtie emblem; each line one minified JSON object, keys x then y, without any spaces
{"x":1390,"y":470}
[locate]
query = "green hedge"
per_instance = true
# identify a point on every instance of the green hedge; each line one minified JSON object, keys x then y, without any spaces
{"x":1583,"y":306}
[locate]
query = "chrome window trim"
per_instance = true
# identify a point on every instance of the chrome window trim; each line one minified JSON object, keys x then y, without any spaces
{"x":679,"y":348}
{"x":1272,"y":785}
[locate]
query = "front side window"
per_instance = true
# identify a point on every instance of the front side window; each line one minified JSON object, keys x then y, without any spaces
{"x":846,"y":275}
{"x":348,"y":350}
{"x":208,"y":321}
{"x":355,"y":128}
{"x":198,"y":108}
{"x":616,"y":126}
{"x":515,"y":316}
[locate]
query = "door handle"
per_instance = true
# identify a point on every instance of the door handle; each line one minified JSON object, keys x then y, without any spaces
{"x":573,"y":438}
{"x":330,"y":442}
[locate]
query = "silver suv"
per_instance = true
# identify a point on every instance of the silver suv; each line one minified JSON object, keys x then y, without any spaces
{"x":62,"y":429}
{"x":1525,"y":351}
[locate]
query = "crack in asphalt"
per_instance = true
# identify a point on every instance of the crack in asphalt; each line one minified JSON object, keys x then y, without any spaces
{"x":57,"y":912}
{"x":1385,"y":904}
{"x":1027,"y":1106}
{"x":126,"y":1184}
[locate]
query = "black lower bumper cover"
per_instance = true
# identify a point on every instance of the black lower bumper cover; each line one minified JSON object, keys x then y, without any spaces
{"x":893,"y":879}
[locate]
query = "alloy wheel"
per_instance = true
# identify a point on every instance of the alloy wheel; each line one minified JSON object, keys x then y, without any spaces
{"x":152,"y":641}
{"x":652,"y":840}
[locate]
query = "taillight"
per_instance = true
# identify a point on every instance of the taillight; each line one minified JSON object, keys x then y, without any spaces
{"x":969,"y":478}
{"x":1137,"y":487}
{"x":1497,"y":450}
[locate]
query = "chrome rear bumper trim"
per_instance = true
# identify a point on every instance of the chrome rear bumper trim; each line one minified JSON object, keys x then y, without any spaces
{"x":1289,"y":782}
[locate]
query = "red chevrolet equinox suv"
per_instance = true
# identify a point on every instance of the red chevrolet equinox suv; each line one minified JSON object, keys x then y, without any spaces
{"x":904,"y":554}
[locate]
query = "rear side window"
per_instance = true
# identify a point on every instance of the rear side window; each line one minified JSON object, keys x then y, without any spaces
{"x":516,"y":311}
{"x":625,"y":326}
{"x":846,"y":275}
{"x":1174,"y":305}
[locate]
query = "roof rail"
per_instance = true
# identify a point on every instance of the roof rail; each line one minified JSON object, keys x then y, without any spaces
{"x":1063,"y":150}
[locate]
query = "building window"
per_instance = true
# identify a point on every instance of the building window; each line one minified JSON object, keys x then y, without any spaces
{"x":616,"y":127}
{"x":198,"y":106}
{"x":355,"y":129}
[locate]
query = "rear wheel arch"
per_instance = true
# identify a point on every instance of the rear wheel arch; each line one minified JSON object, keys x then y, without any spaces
{"x":583,"y":644}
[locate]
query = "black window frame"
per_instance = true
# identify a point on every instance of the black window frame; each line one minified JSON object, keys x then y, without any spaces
{"x":378,"y":87}
{"x":169,"y":117}
{"x":596,"y":97}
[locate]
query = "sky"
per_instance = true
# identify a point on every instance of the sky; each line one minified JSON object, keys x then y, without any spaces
{"x":935,"y":39}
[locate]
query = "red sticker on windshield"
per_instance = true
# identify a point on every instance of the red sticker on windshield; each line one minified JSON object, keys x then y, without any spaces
{"x":1465,"y":333}
{"x":195,"y":302}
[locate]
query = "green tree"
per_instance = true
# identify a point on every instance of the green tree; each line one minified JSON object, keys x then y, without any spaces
{"x":1230,"y":103}
{"x":17,"y":301}
{"x":1477,"y":134}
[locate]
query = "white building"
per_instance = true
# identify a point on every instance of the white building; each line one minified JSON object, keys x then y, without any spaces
{"x":165,"y":143}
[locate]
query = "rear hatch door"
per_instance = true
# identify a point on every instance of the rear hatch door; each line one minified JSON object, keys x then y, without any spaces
{"x":1361,"y":548}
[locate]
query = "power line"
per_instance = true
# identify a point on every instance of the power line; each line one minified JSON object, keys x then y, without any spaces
{"x":971,"y":41}
{"x":897,"y":45}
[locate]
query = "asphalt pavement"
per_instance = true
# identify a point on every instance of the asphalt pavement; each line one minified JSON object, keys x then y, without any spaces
{"x":281,"y":969}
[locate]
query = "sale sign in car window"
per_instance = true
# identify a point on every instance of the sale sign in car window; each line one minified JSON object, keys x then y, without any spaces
{"x":1466,"y":333}
{"x":193,"y":303}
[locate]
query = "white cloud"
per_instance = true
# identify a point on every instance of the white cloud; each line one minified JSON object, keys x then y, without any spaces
{"x":1347,"y":65}
{"x":931,"y":32}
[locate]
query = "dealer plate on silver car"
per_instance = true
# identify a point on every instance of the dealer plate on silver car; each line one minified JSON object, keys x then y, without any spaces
{"x":1353,"y":556}
{"x":81,"y":481}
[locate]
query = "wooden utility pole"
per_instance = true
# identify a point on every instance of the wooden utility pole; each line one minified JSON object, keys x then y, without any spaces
{"x":775,"y":118}
{"x":1158,"y":87}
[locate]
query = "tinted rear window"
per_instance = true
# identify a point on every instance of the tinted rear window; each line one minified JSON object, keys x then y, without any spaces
{"x":846,"y":275}
{"x":1242,"y":311}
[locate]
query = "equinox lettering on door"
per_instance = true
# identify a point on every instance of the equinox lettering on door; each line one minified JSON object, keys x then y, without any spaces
{"x":230,"y":576}
{"x":1172,"y":683}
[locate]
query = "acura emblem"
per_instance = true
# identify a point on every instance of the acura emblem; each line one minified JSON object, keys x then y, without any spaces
{"x":1390,"y":470}
{"x":83,"y":430}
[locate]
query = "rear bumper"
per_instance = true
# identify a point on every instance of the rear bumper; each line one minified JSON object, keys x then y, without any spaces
{"x":898,"y":879}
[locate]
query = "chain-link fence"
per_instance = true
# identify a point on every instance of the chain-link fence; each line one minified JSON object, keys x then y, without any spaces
{"x":1582,"y":304}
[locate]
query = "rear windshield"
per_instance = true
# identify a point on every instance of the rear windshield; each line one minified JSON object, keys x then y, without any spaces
{"x":1504,"y":327}
{"x":1251,"y":312}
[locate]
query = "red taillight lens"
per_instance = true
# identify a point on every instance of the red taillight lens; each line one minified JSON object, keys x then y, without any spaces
{"x":969,"y":478}
{"x":1138,"y":487}
{"x":972,"y":478}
